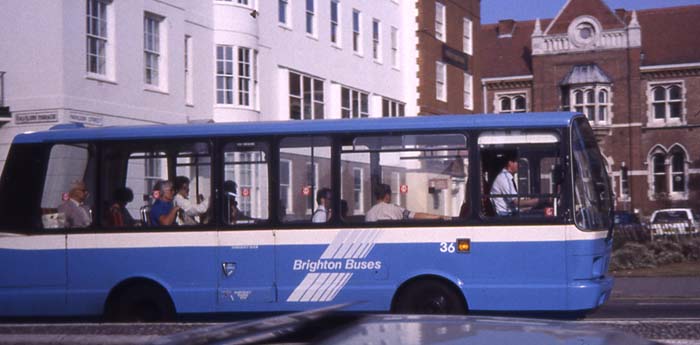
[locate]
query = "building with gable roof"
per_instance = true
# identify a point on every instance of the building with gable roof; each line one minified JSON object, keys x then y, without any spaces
{"x":635,"y":74}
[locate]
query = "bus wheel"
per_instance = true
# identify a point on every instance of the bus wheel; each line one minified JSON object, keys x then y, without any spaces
{"x":429,"y":297}
{"x":140,"y":303}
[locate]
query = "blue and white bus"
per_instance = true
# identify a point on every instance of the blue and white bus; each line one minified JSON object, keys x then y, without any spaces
{"x":256,"y":248}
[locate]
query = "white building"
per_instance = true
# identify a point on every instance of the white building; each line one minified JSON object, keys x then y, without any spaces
{"x":110,"y":62}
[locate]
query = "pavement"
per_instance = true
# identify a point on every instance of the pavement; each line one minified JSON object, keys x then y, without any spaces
{"x":657,"y":287}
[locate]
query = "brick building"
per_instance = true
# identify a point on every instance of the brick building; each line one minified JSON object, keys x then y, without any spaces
{"x":447,"y":35}
{"x":636,"y":74}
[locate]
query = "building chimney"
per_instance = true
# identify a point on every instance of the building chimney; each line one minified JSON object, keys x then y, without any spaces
{"x":506,"y":28}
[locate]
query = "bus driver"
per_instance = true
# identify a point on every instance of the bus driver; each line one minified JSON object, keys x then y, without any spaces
{"x":505,"y":186}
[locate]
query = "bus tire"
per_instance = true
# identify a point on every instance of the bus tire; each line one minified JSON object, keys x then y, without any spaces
{"x":140,"y":302}
{"x":429,"y":296}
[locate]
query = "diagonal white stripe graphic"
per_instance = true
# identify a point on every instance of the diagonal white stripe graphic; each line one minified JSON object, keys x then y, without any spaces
{"x":325,"y":282}
{"x":370,"y":244}
{"x":311,"y":291}
{"x":346,"y":278}
{"x":335,"y":244}
{"x":299,"y":291}
{"x":359,"y":244}
{"x":349,"y":241}
{"x":337,"y":278}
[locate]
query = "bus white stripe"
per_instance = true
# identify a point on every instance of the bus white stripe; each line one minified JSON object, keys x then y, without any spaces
{"x":307,"y":292}
{"x":311,"y":293}
{"x":359,"y":241}
{"x":346,"y":245}
{"x":323,"y":286}
{"x":333,"y":246}
{"x":301,"y":288}
{"x":365,"y":237}
{"x":257,"y":238}
{"x":336,"y":279}
{"x":370,"y":245}
{"x":340,"y":286}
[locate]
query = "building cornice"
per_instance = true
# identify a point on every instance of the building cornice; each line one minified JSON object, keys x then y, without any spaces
{"x":522,"y":81}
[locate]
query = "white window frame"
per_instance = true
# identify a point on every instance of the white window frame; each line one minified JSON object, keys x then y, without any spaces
{"x":377,"y":40}
{"x":511,"y":96}
{"x":395,"y":47}
{"x":467,"y":34}
{"x":668,"y":173}
{"x":440,"y":24}
{"x":596,"y":105}
{"x":358,"y":205}
{"x":155,"y":52}
{"x":246,"y":77}
{"x":355,"y":107}
{"x":336,"y":24}
{"x":392,"y":108}
{"x":189,"y":96}
{"x":667,"y":120}
{"x":228,"y":76}
{"x":440,"y":81}
{"x":103,"y":53}
{"x":468,"y":95}
{"x":357,"y":31}
{"x":310,"y":18}
{"x":289,"y":197}
{"x":313,"y":92}
{"x":672,"y":173}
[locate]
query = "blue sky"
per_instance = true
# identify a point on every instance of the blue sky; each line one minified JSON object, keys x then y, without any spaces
{"x":494,"y":10}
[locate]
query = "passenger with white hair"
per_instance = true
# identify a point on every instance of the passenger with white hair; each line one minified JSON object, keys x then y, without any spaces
{"x":163,"y":212}
{"x":77,"y":214}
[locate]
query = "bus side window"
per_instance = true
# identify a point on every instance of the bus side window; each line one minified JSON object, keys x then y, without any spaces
{"x":128,"y":177}
{"x":193,"y":164}
{"x":405,"y":177}
{"x":305,"y":169}
{"x":245,"y":188}
{"x":67,"y":199}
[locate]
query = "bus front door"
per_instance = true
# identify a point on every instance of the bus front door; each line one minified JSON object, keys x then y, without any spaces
{"x":246,"y":260}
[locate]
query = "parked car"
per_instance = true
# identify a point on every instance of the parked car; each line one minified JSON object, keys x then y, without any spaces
{"x":674,"y":221}
{"x":629,"y":228}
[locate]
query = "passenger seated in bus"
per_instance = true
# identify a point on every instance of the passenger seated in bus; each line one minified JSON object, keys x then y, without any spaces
{"x":163,"y":212}
{"x":505,"y":184}
{"x":385,"y":210}
{"x":77,"y":214}
{"x":118,"y":215}
{"x":192,"y":212}
{"x":323,"y":212}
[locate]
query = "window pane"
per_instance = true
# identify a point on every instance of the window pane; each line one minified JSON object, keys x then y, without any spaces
{"x":659,"y":93}
{"x":674,"y":109}
{"x":674,"y":92}
{"x":312,"y":155}
{"x":659,"y":110}
{"x":505,"y":104}
{"x":245,"y":189}
{"x":422,"y":173}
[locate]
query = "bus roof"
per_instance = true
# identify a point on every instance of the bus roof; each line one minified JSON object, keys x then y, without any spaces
{"x":70,"y":133}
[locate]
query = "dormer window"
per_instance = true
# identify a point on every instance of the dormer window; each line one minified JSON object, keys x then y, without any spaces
{"x":588,"y":90}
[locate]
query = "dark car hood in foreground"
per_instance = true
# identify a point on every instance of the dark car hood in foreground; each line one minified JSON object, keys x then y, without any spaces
{"x":328,"y":326}
{"x":475,"y":330}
